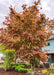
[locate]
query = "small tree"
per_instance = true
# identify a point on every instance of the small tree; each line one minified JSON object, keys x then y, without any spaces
{"x":9,"y":56}
{"x":26,"y":33}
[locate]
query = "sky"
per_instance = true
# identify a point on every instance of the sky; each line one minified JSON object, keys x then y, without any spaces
{"x":47,"y":7}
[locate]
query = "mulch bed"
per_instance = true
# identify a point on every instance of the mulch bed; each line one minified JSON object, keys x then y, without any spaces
{"x":13,"y":72}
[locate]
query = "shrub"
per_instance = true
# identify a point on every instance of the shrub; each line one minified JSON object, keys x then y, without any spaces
{"x":13,"y":67}
{"x":12,"y":64}
{"x":44,"y":71}
{"x":20,"y":68}
{"x":20,"y":64}
{"x":29,"y":70}
{"x":9,"y":56}
{"x":17,"y":64}
{"x":27,"y":64}
{"x":17,"y":68}
{"x":51,"y":68}
{"x":23,"y":70}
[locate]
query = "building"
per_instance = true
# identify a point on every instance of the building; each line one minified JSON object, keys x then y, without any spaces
{"x":50,"y":47}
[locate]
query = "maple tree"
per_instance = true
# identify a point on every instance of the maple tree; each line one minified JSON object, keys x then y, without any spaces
{"x":25,"y":32}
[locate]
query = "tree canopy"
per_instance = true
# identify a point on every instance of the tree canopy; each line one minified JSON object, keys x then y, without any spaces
{"x":25,"y":32}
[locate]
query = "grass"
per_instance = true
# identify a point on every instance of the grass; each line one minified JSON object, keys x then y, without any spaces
{"x":1,"y":65}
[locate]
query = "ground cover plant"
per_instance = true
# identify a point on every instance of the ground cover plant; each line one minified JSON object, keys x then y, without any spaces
{"x":51,"y":71}
{"x":20,"y":67}
{"x":13,"y":72}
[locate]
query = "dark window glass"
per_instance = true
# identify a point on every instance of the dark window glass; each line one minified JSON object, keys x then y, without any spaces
{"x":48,"y":44}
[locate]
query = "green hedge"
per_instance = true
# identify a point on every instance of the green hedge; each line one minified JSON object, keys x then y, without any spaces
{"x":23,"y":64}
{"x":23,"y":70}
{"x":12,"y":64}
{"x":20,"y":69}
{"x":13,"y":67}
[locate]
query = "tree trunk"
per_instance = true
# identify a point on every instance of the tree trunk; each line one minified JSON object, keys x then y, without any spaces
{"x":33,"y":66}
{"x":33,"y":69}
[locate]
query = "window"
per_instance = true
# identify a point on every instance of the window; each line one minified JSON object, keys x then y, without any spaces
{"x":48,"y":43}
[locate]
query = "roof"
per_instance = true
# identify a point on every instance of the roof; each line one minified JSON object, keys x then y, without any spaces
{"x":50,"y":47}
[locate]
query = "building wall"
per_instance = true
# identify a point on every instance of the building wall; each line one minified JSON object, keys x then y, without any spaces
{"x":50,"y":47}
{"x":51,"y":50}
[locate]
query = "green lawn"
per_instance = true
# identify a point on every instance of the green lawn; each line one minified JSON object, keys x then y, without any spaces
{"x":1,"y":65}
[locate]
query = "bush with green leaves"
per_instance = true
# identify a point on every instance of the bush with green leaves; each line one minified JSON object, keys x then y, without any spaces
{"x":12,"y":64}
{"x":17,"y":64}
{"x":13,"y":67}
{"x":23,"y":70}
{"x":21,"y":66}
{"x":17,"y":68}
{"x":51,"y":70}
{"x":26,"y":63}
{"x":20,"y":69}
{"x":9,"y":56}
{"x":29,"y":70}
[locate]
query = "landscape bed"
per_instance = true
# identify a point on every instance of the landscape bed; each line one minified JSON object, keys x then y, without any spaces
{"x":13,"y":72}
